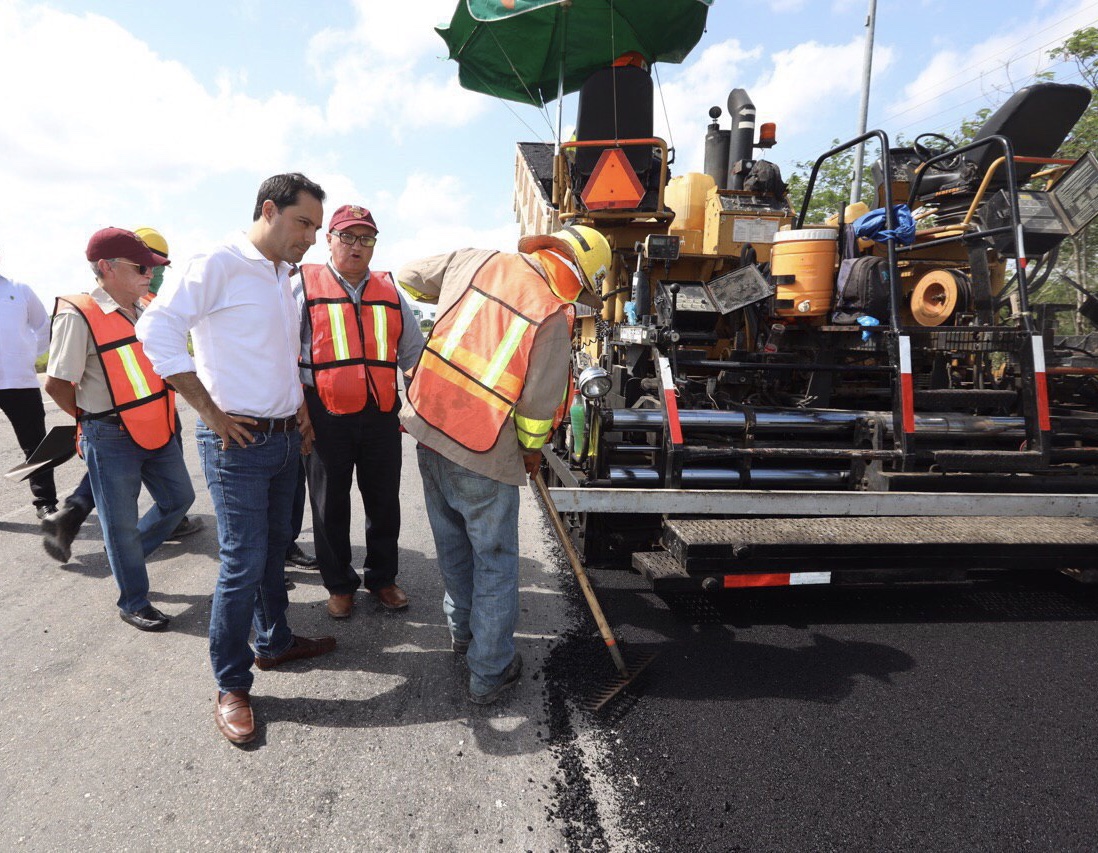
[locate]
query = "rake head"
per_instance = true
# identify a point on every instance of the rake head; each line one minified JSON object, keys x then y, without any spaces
{"x":598,"y":699}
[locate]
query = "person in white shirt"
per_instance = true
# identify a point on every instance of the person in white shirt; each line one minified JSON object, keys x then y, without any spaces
{"x":25,"y":335}
{"x":243,"y":381}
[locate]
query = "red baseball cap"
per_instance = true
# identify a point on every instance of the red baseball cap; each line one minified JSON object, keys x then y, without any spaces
{"x":352,"y":214}
{"x":109,"y":243}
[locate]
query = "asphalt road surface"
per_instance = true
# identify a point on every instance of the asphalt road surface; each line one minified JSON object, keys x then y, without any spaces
{"x":934,"y":719}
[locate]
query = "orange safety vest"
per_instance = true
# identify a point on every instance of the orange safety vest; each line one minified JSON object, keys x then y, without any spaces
{"x":142,"y":399}
{"x":473,"y":367}
{"x":354,"y":352}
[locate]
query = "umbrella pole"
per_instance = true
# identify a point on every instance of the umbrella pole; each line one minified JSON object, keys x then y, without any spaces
{"x":560,"y":105}
{"x":560,"y":75}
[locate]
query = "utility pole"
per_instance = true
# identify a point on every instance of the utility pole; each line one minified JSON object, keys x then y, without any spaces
{"x":867,"y":72}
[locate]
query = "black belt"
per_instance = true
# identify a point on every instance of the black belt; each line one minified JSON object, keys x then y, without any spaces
{"x":114,"y":420}
{"x":269,"y":425}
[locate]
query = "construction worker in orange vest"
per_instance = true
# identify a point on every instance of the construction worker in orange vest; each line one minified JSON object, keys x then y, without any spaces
{"x":60,"y":529}
{"x":99,"y":374}
{"x":484,"y":398}
{"x":357,"y":331}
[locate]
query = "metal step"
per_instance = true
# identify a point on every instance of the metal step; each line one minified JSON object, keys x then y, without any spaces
{"x":989,"y":461}
{"x":872,"y":543}
{"x":658,"y":566}
{"x":950,"y":399}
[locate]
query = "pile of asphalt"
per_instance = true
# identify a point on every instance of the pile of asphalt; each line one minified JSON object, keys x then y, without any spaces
{"x":573,"y":671}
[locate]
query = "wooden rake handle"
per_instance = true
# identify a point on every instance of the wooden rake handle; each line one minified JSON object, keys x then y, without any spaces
{"x":581,"y":576}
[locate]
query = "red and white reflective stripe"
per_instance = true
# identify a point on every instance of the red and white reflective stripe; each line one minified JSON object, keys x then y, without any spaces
{"x":670,"y":401}
{"x":776,"y":579}
{"x":1044,"y":423}
{"x":907,"y":386}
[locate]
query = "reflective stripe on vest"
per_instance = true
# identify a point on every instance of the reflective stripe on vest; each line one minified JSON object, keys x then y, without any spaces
{"x":473,"y":368}
{"x":353,"y":356}
{"x":140,"y":397}
{"x":532,"y":433}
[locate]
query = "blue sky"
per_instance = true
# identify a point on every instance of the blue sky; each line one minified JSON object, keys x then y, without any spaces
{"x":171,"y":114}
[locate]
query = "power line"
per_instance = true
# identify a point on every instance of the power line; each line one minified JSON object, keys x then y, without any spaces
{"x":1002,"y":52}
{"x":954,"y":107}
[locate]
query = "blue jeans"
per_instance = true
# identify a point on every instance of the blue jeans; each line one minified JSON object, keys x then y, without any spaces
{"x":117,"y":466}
{"x":474,"y":520}
{"x":82,"y":499}
{"x":252,"y":489}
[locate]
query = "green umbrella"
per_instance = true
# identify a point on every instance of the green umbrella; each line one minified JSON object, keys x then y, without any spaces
{"x":533,"y":51}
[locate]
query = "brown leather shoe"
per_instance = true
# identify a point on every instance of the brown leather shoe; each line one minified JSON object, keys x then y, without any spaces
{"x":233,"y":713}
{"x":303,"y":647}
{"x":340,"y":605}
{"x":392,"y":597}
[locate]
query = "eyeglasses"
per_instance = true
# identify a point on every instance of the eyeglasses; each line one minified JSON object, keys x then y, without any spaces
{"x":142,"y":269}
{"x":349,"y":239}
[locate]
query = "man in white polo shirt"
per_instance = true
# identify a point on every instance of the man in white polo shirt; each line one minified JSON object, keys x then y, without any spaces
{"x":253,"y":425}
{"x":24,"y":335}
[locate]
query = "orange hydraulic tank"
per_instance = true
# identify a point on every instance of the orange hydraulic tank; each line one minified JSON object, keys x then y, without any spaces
{"x":802,"y":265}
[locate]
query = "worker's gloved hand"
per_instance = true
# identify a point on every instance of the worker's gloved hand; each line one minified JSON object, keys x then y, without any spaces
{"x":532,"y":462}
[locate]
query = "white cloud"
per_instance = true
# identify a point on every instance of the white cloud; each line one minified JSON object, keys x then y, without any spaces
{"x":690,"y":93}
{"x":100,"y":130}
{"x":807,"y":82}
{"x":381,"y":72}
{"x":87,"y":103}
{"x":438,"y":213}
{"x":956,"y":81}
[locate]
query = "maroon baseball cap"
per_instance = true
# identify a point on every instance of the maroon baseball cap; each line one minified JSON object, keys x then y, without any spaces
{"x":352,"y":214}
{"x":109,"y":243}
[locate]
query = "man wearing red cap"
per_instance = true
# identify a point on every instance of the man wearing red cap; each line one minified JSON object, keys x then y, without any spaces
{"x":356,"y":332}
{"x":98,"y":372}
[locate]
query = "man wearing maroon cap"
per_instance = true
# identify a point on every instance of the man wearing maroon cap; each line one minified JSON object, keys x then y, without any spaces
{"x":99,"y":374}
{"x":357,"y":330}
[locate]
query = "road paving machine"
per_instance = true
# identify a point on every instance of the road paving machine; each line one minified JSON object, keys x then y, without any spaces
{"x":769,"y":398}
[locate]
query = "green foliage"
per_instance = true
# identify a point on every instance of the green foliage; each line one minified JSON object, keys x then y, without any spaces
{"x":831,"y":192}
{"x":425,"y":325}
{"x":1079,"y":257}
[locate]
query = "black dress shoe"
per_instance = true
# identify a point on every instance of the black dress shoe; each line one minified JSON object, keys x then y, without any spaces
{"x":45,"y":511}
{"x":296,"y":557}
{"x":148,"y":618}
{"x":60,"y":529}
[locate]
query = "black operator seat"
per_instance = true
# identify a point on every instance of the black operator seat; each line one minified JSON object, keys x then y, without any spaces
{"x":615,"y":103}
{"x":1036,"y":119}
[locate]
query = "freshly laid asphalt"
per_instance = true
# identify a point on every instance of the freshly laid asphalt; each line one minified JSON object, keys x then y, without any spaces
{"x":937,"y":719}
{"x":930,"y":719}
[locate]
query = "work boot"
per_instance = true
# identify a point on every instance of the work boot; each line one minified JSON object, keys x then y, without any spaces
{"x":186,"y":527}
{"x":60,"y":529}
{"x":296,"y":557}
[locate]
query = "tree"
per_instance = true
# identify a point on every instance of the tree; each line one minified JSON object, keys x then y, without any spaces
{"x":831,"y":192}
{"x":1079,"y":256}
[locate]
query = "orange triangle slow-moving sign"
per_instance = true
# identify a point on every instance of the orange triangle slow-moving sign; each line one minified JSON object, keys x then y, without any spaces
{"x":613,"y":183}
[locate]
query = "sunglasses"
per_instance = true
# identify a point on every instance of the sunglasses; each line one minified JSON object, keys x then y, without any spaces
{"x":142,"y":269}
